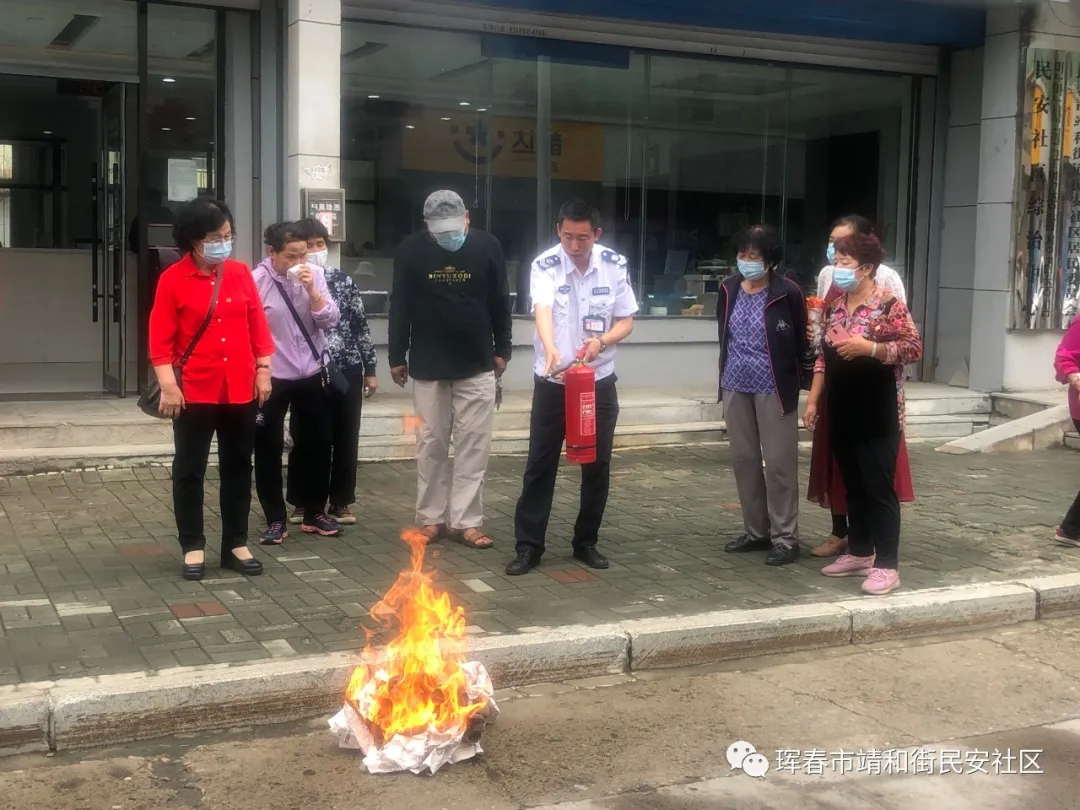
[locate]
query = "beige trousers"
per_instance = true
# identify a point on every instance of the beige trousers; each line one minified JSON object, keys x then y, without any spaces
{"x":448,"y":491}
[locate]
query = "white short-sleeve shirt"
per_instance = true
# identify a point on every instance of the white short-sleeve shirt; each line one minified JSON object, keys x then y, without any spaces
{"x":593,"y":299}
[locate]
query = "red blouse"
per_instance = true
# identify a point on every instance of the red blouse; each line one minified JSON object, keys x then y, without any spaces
{"x":222,"y":367}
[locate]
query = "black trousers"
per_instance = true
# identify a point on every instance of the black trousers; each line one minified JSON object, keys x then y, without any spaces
{"x":1070,"y":526}
{"x":868,"y":468}
{"x":310,"y":403}
{"x":547,"y":430}
{"x":193,"y":431}
{"x":345,"y":410}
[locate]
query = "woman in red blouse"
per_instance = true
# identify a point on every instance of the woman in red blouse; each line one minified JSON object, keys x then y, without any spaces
{"x":218,"y":388}
{"x":869,"y":338}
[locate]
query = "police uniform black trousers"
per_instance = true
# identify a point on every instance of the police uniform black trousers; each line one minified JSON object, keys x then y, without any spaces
{"x":547,"y":429}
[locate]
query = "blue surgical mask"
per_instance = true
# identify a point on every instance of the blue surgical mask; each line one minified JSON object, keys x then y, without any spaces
{"x":451,"y":240}
{"x":830,"y":253}
{"x":751,"y":271}
{"x":217,"y":252}
{"x":845,"y":279}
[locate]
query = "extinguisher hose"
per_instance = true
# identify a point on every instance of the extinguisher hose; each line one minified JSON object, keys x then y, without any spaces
{"x":579,"y":360}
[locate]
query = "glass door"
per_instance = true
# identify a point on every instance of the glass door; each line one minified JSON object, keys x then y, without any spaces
{"x":109,"y":250}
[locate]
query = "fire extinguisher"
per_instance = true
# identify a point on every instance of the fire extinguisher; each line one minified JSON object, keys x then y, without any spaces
{"x":580,"y":383}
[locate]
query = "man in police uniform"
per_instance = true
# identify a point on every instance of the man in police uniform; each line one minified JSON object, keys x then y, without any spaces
{"x":581,"y":299}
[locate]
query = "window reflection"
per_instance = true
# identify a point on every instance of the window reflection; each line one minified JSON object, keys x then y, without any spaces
{"x":679,"y":153}
{"x":181,"y":108}
{"x":48,"y":149}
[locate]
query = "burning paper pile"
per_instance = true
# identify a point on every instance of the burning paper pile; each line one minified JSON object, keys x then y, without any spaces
{"x":420,"y":705}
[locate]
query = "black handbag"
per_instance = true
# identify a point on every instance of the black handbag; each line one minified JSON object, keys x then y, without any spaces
{"x":332,"y":377}
{"x":150,"y":399}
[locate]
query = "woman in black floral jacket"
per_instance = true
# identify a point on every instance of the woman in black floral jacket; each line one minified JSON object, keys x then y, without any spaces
{"x":351,"y":349}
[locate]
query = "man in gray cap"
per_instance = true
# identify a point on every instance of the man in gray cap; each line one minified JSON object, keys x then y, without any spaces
{"x":450,"y":330}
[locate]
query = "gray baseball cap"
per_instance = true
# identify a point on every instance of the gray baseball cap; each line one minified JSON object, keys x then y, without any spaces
{"x":444,"y":210}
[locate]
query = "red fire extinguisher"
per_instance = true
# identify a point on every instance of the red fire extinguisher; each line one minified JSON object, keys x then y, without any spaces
{"x":580,"y":382}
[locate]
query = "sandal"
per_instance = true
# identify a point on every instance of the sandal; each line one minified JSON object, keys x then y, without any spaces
{"x":430,"y":534}
{"x":473,"y":538}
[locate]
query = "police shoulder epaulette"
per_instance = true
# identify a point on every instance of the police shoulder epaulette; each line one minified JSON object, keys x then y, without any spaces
{"x":611,"y":257}
{"x":548,"y":261}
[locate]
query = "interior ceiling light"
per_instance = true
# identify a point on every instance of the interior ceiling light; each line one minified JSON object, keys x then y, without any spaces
{"x":367,"y":49}
{"x":78,"y":27}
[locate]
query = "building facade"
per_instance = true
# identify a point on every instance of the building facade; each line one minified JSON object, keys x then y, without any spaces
{"x":682,"y":122}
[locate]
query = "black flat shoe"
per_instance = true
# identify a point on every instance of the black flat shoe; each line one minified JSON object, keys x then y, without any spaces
{"x":194,"y":571}
{"x":249,"y":568}
{"x":591,"y":557}
{"x":747,"y":543}
{"x":523,"y":563}
{"x":782,"y":555}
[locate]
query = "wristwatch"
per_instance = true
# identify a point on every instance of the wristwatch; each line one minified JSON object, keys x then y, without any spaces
{"x":603,"y":344}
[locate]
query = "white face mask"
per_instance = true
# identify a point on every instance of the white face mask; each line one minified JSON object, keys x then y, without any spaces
{"x":319,"y":257}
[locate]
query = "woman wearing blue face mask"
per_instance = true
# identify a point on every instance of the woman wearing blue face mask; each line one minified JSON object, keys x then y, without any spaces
{"x":849,"y":226}
{"x":826,"y":487}
{"x":210,"y":346}
{"x":859,"y":379}
{"x":765,"y":360}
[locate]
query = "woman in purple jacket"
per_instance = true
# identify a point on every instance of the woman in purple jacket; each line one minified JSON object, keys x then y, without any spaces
{"x":765,"y":360}
{"x":1067,"y":366}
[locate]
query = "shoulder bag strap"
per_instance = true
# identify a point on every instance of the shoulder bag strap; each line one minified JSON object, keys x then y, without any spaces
{"x":209,"y":314}
{"x":300,"y":323}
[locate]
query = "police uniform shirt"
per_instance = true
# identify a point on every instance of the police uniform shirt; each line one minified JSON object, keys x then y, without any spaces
{"x":583,"y":305}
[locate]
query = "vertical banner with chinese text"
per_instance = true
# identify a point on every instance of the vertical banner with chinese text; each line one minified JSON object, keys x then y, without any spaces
{"x":1046,"y":268}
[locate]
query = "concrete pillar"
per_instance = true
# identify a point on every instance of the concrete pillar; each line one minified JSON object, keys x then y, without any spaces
{"x":956,"y":277}
{"x":312,"y":100}
{"x":240,"y":136}
{"x":999,"y":156}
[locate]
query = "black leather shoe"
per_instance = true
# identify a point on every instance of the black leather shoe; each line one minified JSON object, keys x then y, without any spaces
{"x":591,"y":557}
{"x":782,"y":555}
{"x":194,"y":571}
{"x":249,"y":568}
{"x":747,"y":543}
{"x":523,"y":563}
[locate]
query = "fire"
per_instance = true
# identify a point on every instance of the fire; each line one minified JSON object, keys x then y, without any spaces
{"x":417,"y":683}
{"x":411,"y":424}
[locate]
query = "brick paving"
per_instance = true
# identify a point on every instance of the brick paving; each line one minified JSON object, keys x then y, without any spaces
{"x":89,"y":567}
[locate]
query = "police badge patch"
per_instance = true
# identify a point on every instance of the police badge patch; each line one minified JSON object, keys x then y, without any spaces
{"x":550,"y":261}
{"x":612,"y":257}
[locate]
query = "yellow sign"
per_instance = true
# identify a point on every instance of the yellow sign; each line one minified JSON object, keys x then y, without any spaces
{"x":464,"y":143}
{"x":1039,"y":123}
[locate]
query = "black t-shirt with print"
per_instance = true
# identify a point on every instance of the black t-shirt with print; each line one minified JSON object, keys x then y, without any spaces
{"x":449,"y":310}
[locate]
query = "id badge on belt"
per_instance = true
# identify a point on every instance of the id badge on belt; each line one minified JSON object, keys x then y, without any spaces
{"x":593,"y":325}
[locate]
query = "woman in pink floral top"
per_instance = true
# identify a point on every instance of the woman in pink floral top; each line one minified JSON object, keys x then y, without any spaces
{"x":870,"y":337}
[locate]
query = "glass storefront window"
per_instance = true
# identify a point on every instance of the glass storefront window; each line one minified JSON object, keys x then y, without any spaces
{"x":678,"y":153}
{"x":181,"y":98}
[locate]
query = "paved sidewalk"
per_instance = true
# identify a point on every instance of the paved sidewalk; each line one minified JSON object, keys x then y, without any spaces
{"x":89,"y":567}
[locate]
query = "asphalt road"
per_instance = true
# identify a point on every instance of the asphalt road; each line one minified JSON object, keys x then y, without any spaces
{"x":988,"y":705}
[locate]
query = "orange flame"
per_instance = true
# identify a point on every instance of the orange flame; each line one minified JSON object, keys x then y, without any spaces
{"x":418,"y":683}
{"x":411,"y":424}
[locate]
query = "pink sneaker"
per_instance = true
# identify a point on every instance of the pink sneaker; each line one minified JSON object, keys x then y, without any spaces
{"x":881,"y":581}
{"x":849,"y":566}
